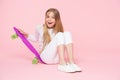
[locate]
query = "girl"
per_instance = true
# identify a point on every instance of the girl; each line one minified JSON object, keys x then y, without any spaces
{"x":54,"y":41}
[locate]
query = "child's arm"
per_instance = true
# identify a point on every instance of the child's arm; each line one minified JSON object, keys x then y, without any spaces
{"x":24,"y":33}
{"x":34,"y":37}
{"x":31,"y":37}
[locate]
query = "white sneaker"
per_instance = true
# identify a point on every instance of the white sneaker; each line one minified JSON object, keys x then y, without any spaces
{"x":75,"y":67}
{"x":65,"y":68}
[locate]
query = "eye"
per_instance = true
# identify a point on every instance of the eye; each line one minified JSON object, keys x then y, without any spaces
{"x":47,"y":16}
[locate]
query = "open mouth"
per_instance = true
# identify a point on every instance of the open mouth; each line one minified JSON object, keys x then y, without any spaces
{"x":50,"y":22}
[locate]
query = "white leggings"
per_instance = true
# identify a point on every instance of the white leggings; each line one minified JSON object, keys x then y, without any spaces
{"x":49,"y":54}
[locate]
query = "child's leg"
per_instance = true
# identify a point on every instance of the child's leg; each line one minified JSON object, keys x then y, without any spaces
{"x":54,"y":51}
{"x":60,"y":47}
{"x":61,"y":52}
{"x":69,"y":47}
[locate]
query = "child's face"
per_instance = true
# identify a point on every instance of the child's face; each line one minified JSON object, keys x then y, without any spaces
{"x":50,"y":19}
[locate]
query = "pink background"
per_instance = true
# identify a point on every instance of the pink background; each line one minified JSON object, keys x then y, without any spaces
{"x":94,"y":24}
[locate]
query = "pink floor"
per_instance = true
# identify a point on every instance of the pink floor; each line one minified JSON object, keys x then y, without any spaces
{"x":95,"y":66}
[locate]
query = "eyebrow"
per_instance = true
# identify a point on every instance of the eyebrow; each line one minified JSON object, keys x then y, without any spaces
{"x":52,"y":15}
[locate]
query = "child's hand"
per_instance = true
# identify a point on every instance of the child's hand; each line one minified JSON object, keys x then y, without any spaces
{"x":22,"y":32}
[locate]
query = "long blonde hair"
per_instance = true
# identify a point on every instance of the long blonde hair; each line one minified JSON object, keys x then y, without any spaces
{"x":58,"y":27}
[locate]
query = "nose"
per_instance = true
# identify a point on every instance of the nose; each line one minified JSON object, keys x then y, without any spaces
{"x":49,"y":19}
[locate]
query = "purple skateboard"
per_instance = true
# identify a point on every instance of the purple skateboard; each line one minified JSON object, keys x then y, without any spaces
{"x":28,"y":44}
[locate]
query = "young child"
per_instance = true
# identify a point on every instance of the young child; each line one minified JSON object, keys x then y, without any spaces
{"x":54,"y":41}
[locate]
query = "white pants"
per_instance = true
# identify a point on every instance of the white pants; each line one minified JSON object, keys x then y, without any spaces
{"x":49,"y":55}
